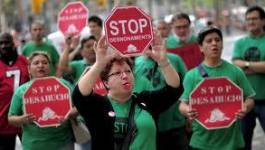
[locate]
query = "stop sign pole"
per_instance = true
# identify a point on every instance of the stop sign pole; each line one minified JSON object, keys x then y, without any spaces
{"x":129,"y":30}
{"x":216,"y":101}
{"x":72,"y":18}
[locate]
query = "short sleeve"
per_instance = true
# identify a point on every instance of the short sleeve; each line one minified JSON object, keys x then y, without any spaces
{"x":237,"y":50}
{"x":16,"y":104}
{"x":188,"y":85}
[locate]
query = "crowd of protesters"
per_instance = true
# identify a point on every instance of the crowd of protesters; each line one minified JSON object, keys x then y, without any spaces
{"x":146,"y":104}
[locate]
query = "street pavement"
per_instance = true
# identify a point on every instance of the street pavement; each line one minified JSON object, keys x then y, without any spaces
{"x":259,"y":136}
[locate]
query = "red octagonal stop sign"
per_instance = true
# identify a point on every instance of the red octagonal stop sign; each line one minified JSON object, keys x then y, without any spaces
{"x":49,"y":100}
{"x":216,"y":100}
{"x":72,"y":18}
{"x":129,"y":30}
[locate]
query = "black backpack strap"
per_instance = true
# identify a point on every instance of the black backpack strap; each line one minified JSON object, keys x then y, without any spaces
{"x":202,"y":71}
{"x":132,"y":130}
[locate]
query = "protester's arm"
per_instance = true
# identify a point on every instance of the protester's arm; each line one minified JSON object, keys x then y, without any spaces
{"x":87,"y":82}
{"x":247,"y":107}
{"x":249,"y":104}
{"x":64,"y":59}
{"x":240,"y":63}
{"x":170,"y":74}
{"x":158,"y":53}
{"x":258,"y":67}
{"x":20,"y":120}
{"x":75,"y":47}
{"x":74,"y":53}
{"x":15,"y":114}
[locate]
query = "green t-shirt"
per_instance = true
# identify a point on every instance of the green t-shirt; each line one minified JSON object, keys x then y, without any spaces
{"x":34,"y":137}
{"x":78,"y":68}
{"x":252,"y":49}
{"x":31,"y":47}
{"x":171,"y":118}
{"x":141,"y":83}
{"x":146,"y":129}
{"x":174,"y":42}
{"x":218,"y":139}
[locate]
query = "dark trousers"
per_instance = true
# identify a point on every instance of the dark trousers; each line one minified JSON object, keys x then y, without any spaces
{"x":249,"y":123}
{"x":7,"y":142}
{"x":175,"y":139}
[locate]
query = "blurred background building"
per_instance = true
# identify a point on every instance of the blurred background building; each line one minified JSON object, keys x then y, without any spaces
{"x":16,"y":15}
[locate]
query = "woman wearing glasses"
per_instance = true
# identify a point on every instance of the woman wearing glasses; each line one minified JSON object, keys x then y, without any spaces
{"x":122,"y":119}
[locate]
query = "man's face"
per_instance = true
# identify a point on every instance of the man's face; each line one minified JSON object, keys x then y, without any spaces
{"x":6,"y":46}
{"x":88,"y":51}
{"x":95,"y":29}
{"x":181,"y":28}
{"x":164,"y":29}
{"x":37,"y":32}
{"x":253,"y":22}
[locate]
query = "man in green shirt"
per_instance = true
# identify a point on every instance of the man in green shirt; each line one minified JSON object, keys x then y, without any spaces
{"x":171,"y":124}
{"x":76,"y":68}
{"x":163,"y":29}
{"x":182,"y":31}
{"x":38,"y":43}
{"x":95,"y":24}
{"x":249,"y":55}
{"x":183,"y":42}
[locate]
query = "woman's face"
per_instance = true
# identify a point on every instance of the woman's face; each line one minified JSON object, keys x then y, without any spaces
{"x":39,"y":67}
{"x":212,"y":46}
{"x":120,"y":79}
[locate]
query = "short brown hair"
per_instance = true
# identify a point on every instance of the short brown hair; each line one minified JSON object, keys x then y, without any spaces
{"x":181,"y":15}
{"x":104,"y":75}
{"x":37,"y":53}
{"x":207,"y":30}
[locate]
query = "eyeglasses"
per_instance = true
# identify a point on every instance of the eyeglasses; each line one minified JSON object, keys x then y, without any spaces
{"x":120,"y":73}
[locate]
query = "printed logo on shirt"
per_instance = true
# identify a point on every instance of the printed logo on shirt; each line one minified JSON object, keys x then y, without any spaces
{"x":120,"y":128}
{"x":252,"y":54}
{"x":153,"y":76}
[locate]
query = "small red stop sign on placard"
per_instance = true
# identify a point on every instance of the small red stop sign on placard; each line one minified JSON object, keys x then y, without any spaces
{"x":49,"y":100}
{"x":216,"y":100}
{"x":99,"y":88}
{"x":129,"y":30}
{"x":72,"y":18}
